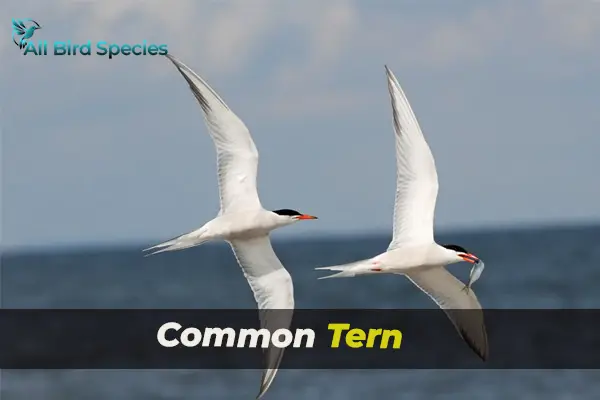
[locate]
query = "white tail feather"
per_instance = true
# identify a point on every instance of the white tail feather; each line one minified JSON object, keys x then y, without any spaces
{"x":176,"y":246}
{"x":342,"y":274}
{"x":348,"y":270}
{"x":179,"y":243}
{"x":164,"y":244}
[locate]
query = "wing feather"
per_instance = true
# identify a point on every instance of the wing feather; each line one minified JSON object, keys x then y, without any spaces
{"x":237,"y":156}
{"x":416,"y":179}
{"x":461,"y":307}
{"x":273,"y":291}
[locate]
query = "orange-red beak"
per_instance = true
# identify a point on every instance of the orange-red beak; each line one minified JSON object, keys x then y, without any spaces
{"x":470,"y":258}
{"x":305,"y":216}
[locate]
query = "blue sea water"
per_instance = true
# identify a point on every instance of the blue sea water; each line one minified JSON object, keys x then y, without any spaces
{"x":534,"y":268}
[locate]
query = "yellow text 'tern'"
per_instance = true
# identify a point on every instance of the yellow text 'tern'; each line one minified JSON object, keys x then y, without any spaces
{"x":355,"y":338}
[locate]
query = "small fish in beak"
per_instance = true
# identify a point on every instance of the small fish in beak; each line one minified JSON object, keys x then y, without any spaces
{"x":476,"y":271}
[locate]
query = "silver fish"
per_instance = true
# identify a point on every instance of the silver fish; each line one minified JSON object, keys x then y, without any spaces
{"x":476,"y":271}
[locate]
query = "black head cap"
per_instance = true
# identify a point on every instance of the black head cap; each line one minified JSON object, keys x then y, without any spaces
{"x":456,"y":248}
{"x":287,"y":212}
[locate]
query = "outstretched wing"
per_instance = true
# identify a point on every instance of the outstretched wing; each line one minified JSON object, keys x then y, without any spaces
{"x":18,"y":27}
{"x":460,"y":306}
{"x":416,"y":176}
{"x":273,"y":291}
{"x":237,"y":156}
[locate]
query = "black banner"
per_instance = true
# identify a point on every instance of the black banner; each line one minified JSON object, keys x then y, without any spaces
{"x":415,"y":339}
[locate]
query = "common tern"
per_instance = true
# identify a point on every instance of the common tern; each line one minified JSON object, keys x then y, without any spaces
{"x":242,"y":221}
{"x":413,"y":251}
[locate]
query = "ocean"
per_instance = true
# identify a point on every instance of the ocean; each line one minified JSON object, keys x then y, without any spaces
{"x":525,"y":268}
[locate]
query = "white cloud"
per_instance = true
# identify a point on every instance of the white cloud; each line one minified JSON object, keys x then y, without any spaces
{"x":435,"y":42}
{"x":327,"y":29}
{"x":284,"y":66}
{"x":481,"y":30}
{"x":227,"y":37}
{"x":236,"y":32}
{"x":298,"y":86}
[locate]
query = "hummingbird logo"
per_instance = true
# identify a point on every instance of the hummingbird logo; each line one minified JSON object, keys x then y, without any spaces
{"x":23,"y":30}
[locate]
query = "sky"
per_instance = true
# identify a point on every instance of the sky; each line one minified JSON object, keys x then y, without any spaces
{"x":96,"y":150}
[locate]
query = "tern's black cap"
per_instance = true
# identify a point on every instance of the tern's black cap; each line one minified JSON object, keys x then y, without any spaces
{"x":456,"y":248}
{"x":287,"y":212}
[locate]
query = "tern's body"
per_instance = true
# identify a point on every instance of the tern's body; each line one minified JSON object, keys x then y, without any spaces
{"x":404,"y":259}
{"x":246,"y":224}
{"x":242,"y":220}
{"x":413,"y":251}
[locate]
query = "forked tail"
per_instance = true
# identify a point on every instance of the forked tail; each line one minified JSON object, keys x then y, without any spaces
{"x":349,"y":270}
{"x":179,"y":243}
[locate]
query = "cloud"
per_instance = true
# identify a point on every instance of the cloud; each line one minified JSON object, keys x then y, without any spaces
{"x":297,"y":87}
{"x":228,"y":37}
{"x":327,"y":30}
{"x":225,"y":32}
{"x":309,"y":64}
{"x":307,"y":72}
{"x":480,"y":31}
{"x":536,"y":33}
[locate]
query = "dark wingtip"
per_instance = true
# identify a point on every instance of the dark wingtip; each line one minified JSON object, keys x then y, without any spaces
{"x":262,"y":390}
{"x":197,"y":93}
{"x":482,"y":352}
{"x":173,"y":60}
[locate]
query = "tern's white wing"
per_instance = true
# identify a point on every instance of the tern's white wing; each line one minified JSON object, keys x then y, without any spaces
{"x":462,"y":308}
{"x":416,"y":180}
{"x":273,"y":291}
{"x":237,"y":156}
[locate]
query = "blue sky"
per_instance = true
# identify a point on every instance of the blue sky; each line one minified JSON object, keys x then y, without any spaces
{"x":98,"y":150}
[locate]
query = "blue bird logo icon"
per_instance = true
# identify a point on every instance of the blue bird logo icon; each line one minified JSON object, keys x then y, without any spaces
{"x":22,"y":33}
